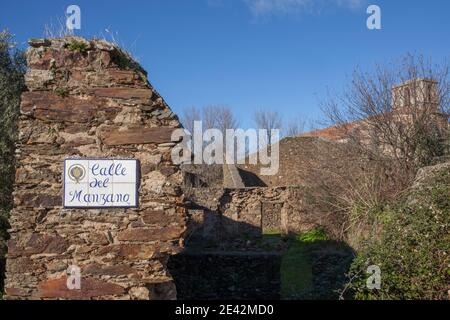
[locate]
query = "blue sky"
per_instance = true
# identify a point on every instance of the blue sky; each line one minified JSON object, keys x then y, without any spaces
{"x":249,"y":54}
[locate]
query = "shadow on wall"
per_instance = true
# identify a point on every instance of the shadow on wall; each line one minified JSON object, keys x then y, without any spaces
{"x":250,"y":179}
{"x":253,"y":265}
{"x":4,"y":225}
{"x":2,"y":272}
{"x":215,"y":267}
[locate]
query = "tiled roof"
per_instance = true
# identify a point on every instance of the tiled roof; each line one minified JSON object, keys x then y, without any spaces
{"x":334,"y":133}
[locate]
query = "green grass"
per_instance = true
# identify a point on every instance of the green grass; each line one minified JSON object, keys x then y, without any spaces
{"x":296,"y":271}
{"x":312,"y":236}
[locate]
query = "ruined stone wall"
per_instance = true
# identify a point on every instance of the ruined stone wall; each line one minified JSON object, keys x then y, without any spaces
{"x":229,"y":214}
{"x":90,"y":99}
{"x":269,"y":210}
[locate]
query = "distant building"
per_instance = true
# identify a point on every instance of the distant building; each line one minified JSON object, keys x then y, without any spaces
{"x":410,"y":99}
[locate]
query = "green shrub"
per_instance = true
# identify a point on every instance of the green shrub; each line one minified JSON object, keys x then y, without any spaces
{"x":78,"y":46}
{"x":12,"y":69}
{"x":412,"y":251}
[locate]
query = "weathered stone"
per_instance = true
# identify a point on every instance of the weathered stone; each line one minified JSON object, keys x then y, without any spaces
{"x":23,"y":265}
{"x":46,"y":135}
{"x":148,"y":107}
{"x":98,"y":238}
{"x":31,"y":176}
{"x":55,"y":58}
{"x":141,"y":135}
{"x":74,"y":128}
{"x":39,"y":150}
{"x":57,"y":266}
{"x":99,"y":60}
{"x":154,"y":182}
{"x":106,"y":77}
{"x":141,"y":234}
{"x":167,"y":145}
{"x":123,"y":93}
{"x":16,"y":292}
{"x":160,"y":217}
{"x":166,"y":114}
{"x":14,"y":249}
{"x":147,"y":167}
{"x":115,"y":270}
{"x":140,"y":293}
{"x":89,"y":99}
{"x":51,"y":107}
{"x":168,"y":171}
{"x":78,"y":139}
{"x":130,"y":251}
{"x":103,"y":45}
{"x":154,"y":159}
{"x":122,"y":76}
{"x":42,"y":243}
{"x":35,"y":79}
{"x":34,"y":42}
{"x":39,"y":200}
{"x":90,"y":288}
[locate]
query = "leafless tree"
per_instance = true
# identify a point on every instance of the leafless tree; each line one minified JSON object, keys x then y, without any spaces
{"x":219,"y":117}
{"x":399,"y":112}
{"x":295,"y":127}
{"x":188,"y":117}
{"x":213,"y":116}
{"x":266,"y":119}
{"x":395,"y":120}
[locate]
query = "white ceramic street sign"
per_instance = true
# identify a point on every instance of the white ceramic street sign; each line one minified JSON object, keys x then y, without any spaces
{"x":100,"y":183}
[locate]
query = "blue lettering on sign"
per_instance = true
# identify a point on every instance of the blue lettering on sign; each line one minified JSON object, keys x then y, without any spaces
{"x":101,"y":199}
{"x":113,"y":170}
{"x":97,"y":190}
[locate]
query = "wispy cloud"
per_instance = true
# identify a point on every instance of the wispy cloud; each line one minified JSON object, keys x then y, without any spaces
{"x":281,"y":7}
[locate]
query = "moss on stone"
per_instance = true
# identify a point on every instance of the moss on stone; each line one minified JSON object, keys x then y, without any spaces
{"x":62,"y":92}
{"x":78,"y":46}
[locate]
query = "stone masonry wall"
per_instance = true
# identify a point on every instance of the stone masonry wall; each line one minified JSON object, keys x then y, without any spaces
{"x":90,"y":99}
{"x":234,"y":213}
{"x":268,"y":210}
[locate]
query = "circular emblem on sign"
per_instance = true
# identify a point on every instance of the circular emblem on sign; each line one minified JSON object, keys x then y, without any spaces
{"x":76,"y":172}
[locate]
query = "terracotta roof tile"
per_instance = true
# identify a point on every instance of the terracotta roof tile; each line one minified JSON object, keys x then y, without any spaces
{"x":331,"y":133}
